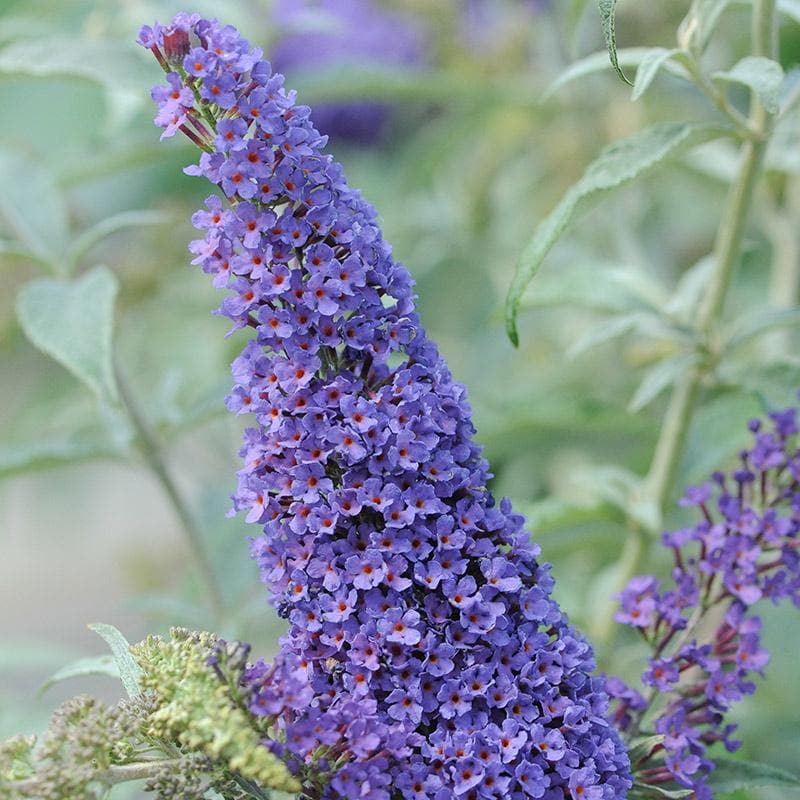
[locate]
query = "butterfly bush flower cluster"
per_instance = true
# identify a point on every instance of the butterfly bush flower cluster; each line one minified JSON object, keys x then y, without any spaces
{"x":743,"y":549}
{"x":425,"y":657}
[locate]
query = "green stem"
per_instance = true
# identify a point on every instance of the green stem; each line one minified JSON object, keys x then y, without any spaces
{"x":151,"y":452}
{"x":117,"y":773}
{"x":671,"y":439}
{"x":727,"y":250}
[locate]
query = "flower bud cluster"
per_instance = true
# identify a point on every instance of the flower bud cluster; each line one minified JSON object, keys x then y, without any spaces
{"x":195,"y":680}
{"x":743,"y":548}
{"x":78,"y":748}
{"x":426,"y":657}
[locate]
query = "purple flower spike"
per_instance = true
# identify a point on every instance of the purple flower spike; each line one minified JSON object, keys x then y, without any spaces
{"x":731,"y":559}
{"x":425,"y":655}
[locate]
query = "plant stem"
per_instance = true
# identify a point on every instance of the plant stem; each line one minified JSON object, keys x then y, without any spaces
{"x":727,"y":250}
{"x":151,"y":452}
{"x":117,"y":773}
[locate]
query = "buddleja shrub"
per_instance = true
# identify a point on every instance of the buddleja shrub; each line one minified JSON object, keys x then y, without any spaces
{"x":426,"y":657}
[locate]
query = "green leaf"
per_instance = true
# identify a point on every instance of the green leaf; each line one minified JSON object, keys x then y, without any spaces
{"x":34,"y":208}
{"x":73,"y":322}
{"x":96,"y":665}
{"x":658,"y":792}
{"x":115,"y":66}
{"x":730,"y":775}
{"x":642,"y":748}
{"x":608,"y":21}
{"x":658,"y":378}
{"x":717,"y":432}
{"x":553,"y":513}
{"x":127,"y":219}
{"x":598,"y":285}
{"x":129,"y":671}
{"x":607,"y":330}
{"x":689,"y":290}
{"x":648,"y":69}
{"x":68,"y":427}
{"x":598,"y":62}
{"x":616,"y":166}
{"x":643,"y":322}
{"x":762,"y":76}
{"x":694,"y":32}
{"x":759,"y":321}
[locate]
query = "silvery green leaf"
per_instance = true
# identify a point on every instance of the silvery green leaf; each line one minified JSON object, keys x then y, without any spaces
{"x":689,"y":290}
{"x":761,"y":75}
{"x":642,"y":748}
{"x":608,"y":9}
{"x":659,"y":377}
{"x":126,"y":219}
{"x":607,"y":330}
{"x":117,"y":68}
{"x":694,"y":32}
{"x":646,"y":323}
{"x":597,"y":62}
{"x":718,"y":160}
{"x":95,"y":665}
{"x":603,"y":286}
{"x":68,"y":426}
{"x":33,"y":207}
{"x":717,"y":432}
{"x":72,"y":321}
{"x":618,"y":165}
{"x":783,"y":152}
{"x":129,"y":671}
{"x":649,"y":68}
{"x":553,"y":513}
{"x":730,"y":775}
{"x":759,"y":321}
{"x":643,"y":790}
{"x":608,"y":482}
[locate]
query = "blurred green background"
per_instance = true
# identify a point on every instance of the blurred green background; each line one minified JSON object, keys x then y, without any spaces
{"x":437,"y":110}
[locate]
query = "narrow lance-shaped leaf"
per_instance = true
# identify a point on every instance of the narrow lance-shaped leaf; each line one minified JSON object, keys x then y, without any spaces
{"x":617,"y":166}
{"x":642,"y":748}
{"x":32,"y":206}
{"x":762,"y":76}
{"x":649,"y":68}
{"x":608,"y":20}
{"x":73,"y":323}
{"x":643,"y":790}
{"x":598,"y":62}
{"x":113,"y":65}
{"x":95,"y":665}
{"x":730,"y":775}
{"x":129,"y":671}
{"x":694,"y":32}
{"x":659,"y":377}
{"x":126,"y":219}
{"x":750,"y":325}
